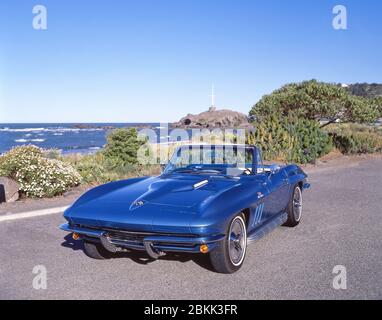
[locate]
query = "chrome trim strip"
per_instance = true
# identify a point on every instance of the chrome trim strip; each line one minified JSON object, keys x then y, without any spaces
{"x":151,"y":238}
{"x":84,"y":231}
{"x":200,"y":184}
{"x":267,"y":227}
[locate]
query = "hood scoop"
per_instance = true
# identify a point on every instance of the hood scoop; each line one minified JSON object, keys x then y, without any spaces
{"x":177,"y":193}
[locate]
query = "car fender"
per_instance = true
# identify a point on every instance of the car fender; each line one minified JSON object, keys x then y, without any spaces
{"x":215,"y":215}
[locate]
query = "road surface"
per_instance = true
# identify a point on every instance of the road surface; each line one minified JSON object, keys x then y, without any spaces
{"x":341,"y":225}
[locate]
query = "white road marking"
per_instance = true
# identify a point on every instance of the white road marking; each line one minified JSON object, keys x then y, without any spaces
{"x":31,"y":214}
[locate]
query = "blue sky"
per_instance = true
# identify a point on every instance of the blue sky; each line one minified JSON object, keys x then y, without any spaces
{"x":152,"y":61}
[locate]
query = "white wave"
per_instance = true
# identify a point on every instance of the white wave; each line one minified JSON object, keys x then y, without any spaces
{"x":29,"y":140}
{"x":49,"y":129}
{"x":58,"y":134}
{"x":94,"y":148}
{"x":23,"y":129}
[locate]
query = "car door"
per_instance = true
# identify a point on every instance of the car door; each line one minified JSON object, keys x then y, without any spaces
{"x":278,"y":186}
{"x":260,"y":210}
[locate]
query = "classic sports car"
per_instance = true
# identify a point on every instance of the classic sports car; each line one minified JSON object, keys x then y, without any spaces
{"x":209,"y":199}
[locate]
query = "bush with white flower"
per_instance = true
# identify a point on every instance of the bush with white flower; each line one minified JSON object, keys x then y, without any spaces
{"x":37,"y":175}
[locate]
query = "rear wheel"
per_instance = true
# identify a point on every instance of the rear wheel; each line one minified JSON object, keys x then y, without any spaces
{"x":96,"y":250}
{"x":229,"y":255}
{"x":294,"y":209}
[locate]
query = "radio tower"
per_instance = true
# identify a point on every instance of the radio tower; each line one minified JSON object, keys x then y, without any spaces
{"x":212,"y":108}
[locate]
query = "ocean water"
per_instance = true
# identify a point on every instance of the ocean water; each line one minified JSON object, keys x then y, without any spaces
{"x":69,"y":138}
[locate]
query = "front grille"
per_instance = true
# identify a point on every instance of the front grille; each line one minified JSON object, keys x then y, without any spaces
{"x":125,"y":237}
{"x":134,"y":239}
{"x":127,"y":233}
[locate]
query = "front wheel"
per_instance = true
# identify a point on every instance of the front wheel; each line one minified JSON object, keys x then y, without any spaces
{"x":96,"y":250}
{"x":228,"y":256}
{"x":294,"y":209}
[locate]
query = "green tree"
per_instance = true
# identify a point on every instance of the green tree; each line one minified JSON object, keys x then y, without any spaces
{"x":122,"y":146}
{"x":315,"y":100}
{"x":290,"y":139}
{"x":378,"y":105}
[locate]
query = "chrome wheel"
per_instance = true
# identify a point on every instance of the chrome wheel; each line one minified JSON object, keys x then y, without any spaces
{"x":297,"y":204}
{"x":237,"y":241}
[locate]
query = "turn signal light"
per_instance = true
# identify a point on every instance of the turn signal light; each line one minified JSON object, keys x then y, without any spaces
{"x":75,"y":236}
{"x":203,"y":248}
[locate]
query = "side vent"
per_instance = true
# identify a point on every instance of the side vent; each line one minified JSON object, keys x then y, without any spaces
{"x":258,"y":214}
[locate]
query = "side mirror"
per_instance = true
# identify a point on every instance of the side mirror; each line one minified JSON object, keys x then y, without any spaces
{"x":274,"y":168}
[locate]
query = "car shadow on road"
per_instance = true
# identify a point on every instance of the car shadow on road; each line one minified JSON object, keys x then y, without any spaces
{"x":72,"y":244}
{"x":142,"y":258}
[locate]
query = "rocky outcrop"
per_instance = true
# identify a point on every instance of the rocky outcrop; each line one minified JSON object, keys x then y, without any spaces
{"x":9,"y":190}
{"x":213,"y":119}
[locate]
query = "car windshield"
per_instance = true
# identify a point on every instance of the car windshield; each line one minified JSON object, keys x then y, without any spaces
{"x":215,"y":160}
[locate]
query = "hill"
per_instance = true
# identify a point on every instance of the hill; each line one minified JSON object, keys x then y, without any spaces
{"x":369,"y":90}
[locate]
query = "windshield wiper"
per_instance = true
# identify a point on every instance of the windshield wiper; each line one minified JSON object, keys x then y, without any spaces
{"x":227,"y":176}
{"x":181,"y":170}
{"x":207,"y":171}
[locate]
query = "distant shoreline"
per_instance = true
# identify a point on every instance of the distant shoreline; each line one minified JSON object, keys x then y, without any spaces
{"x":83,"y":138}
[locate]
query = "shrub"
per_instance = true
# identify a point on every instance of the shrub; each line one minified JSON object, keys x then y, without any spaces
{"x":38,"y":176}
{"x":291,"y":139}
{"x":97,"y":169}
{"x":122,"y":147}
{"x":356,"y":138}
{"x":378,"y":105}
{"x":315,"y":100}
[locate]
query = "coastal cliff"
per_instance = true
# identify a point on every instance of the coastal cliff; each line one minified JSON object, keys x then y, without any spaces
{"x":213,"y":119}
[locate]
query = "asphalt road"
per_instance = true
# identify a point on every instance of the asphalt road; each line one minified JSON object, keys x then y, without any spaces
{"x":342,"y":225}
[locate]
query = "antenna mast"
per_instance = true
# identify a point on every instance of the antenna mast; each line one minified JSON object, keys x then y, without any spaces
{"x":212,"y":108}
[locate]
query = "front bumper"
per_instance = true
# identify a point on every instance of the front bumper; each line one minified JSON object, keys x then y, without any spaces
{"x":117,"y":240}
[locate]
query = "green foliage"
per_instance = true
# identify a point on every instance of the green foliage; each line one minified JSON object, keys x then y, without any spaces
{"x":356,"y":138}
{"x":291,"y":139}
{"x":315,"y":100}
{"x":97,"y":169}
{"x":37,"y":175}
{"x":378,"y":105}
{"x":122,"y":147}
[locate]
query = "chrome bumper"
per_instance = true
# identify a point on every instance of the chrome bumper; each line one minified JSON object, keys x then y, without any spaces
{"x":158,"y":242}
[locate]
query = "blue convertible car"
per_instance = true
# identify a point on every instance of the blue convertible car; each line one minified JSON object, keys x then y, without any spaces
{"x":210,"y":199}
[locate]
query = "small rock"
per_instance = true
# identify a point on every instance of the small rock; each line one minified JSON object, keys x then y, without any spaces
{"x":9,"y":190}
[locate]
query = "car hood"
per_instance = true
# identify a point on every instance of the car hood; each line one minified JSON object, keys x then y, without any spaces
{"x":143,"y":200}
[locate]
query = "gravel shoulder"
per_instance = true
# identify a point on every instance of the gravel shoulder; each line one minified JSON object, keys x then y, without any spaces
{"x":25,"y":205}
